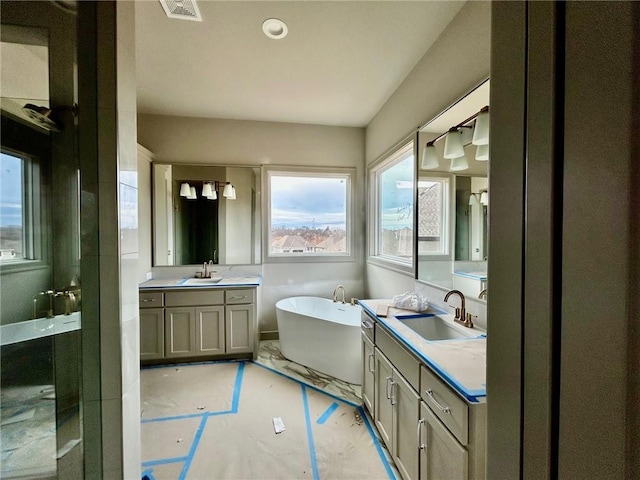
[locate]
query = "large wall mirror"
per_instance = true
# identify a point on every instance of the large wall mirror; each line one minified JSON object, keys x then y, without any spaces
{"x":453,"y":196}
{"x":209,"y":222}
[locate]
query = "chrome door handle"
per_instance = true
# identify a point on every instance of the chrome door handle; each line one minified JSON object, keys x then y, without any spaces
{"x":429,"y":392}
{"x":371,"y":370}
{"x":421,"y":445}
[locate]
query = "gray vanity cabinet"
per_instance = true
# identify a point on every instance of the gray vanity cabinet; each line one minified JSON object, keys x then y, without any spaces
{"x":151,"y":325}
{"x":197,"y":323}
{"x":368,"y":373}
{"x":441,"y":456}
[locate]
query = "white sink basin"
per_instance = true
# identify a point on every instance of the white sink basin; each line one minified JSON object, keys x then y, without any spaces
{"x":436,"y":328}
{"x":202,"y":281}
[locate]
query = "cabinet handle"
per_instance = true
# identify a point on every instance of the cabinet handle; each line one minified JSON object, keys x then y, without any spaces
{"x":237,"y":297}
{"x":366,"y":324}
{"x":440,"y":407}
{"x":393,"y":399}
{"x":145,"y":300}
{"x":386,"y":390}
{"x":371,"y":370}
{"x":421,"y":445}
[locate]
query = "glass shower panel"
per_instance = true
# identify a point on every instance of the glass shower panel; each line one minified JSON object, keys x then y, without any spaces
{"x":40,"y":294}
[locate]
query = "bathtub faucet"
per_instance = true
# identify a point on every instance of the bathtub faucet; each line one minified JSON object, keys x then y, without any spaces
{"x":335,"y":294}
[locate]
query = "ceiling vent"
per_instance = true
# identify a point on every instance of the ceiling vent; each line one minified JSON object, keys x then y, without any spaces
{"x":182,"y":9}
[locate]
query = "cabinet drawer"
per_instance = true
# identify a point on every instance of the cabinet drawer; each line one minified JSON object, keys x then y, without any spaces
{"x":452,"y":410}
{"x":368,"y":324}
{"x":240,"y":295}
{"x":404,"y":362}
{"x":151,"y":299}
{"x":188,"y":298}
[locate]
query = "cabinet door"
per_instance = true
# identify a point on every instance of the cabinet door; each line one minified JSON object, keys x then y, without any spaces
{"x":441,"y":456}
{"x":210,"y":330}
{"x":180,"y":332}
{"x":406,"y":411}
{"x":383,"y":410}
{"x":151,"y":333}
{"x":239,"y":329}
{"x":368,"y":370}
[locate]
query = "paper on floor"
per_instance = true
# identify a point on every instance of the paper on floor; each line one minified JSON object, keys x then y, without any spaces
{"x":278,"y":425}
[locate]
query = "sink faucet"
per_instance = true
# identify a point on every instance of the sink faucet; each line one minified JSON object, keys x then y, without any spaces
{"x":205,"y":267}
{"x":461,"y":315}
{"x":335,"y":294}
{"x":483,"y":294}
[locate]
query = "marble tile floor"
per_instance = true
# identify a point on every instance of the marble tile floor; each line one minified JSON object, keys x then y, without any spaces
{"x":269,"y":355}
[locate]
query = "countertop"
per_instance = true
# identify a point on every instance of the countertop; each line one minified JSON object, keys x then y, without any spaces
{"x":230,"y":281}
{"x":461,"y":363}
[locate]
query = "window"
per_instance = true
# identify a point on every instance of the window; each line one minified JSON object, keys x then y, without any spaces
{"x":17,"y":183}
{"x":392,"y":181}
{"x":433,"y":214}
{"x":309,"y":214}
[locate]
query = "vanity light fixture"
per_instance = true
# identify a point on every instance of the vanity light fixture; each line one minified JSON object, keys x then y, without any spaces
{"x":484,"y":198}
{"x":192,"y":195}
{"x":481,"y":130}
{"x":207,"y":191}
{"x":482,"y":152}
{"x":185,"y":190}
{"x":429,"y":157}
{"x":472,"y":199}
{"x":228,"y":191}
{"x":453,"y":147}
{"x":459,"y":163}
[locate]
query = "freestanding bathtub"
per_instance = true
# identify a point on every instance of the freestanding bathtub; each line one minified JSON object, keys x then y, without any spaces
{"x":322,"y":334}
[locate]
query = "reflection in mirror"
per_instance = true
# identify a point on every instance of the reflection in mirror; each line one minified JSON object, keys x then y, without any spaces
{"x":453,"y":197}
{"x":200,"y":228}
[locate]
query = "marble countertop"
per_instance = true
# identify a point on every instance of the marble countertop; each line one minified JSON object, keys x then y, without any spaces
{"x":226,"y":281}
{"x":461,"y":363}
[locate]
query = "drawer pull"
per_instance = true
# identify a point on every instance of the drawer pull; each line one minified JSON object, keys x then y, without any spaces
{"x":421,"y":446}
{"x":440,"y":407}
{"x":366,"y":324}
{"x":237,"y":297}
{"x":386,"y":390}
{"x":393,"y":399}
{"x":145,"y":300}
{"x":371,"y":370}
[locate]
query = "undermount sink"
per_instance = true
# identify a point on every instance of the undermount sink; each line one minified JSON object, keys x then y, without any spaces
{"x":436,"y":328}
{"x":203,"y":281}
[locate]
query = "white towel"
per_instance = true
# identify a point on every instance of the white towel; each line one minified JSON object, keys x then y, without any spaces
{"x":410,"y":301}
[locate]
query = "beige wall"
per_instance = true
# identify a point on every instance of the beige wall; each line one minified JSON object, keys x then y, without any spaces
{"x":235,"y":142}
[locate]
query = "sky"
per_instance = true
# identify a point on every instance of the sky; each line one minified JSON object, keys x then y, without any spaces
{"x":10,"y":190}
{"x":301,"y":201}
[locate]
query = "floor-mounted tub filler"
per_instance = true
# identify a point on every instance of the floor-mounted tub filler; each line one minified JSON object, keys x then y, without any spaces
{"x":322,"y":334}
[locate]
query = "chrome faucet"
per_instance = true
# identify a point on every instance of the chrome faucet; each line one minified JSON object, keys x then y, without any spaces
{"x":461,"y":315}
{"x":335,"y":294}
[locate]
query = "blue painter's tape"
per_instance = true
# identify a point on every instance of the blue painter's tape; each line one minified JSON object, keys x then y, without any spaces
{"x":175,"y":417}
{"x":163,"y":461}
{"x":376,"y":442}
{"x":327,"y":413}
{"x":148,"y":474}
{"x":236,"y":389}
{"x":347,"y":402}
{"x":194,"y":447}
{"x":312,"y":448}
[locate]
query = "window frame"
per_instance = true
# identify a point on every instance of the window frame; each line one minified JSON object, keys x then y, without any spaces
{"x":34,"y":216}
{"x":348,"y":173}
{"x":448,"y":227}
{"x":386,"y":161}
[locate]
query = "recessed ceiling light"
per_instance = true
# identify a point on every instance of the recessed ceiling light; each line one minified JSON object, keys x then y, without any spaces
{"x":275,"y":28}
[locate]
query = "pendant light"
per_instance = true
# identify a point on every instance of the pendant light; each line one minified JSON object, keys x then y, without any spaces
{"x":429,"y":157}
{"x":192,"y":193}
{"x":207,"y":191}
{"x":481,"y":130}
{"x":228,"y":189}
{"x":453,"y":147}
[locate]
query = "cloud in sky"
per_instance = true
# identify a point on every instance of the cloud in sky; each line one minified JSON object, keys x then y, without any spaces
{"x":298,"y":201}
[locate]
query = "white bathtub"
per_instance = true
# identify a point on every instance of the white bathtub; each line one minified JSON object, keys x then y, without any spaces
{"x":321,"y":334}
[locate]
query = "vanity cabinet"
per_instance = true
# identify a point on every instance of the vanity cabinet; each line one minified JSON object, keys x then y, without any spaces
{"x":151,"y":325}
{"x":430,"y":430}
{"x":197,"y":323}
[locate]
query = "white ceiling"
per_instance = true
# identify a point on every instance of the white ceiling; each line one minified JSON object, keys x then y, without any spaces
{"x":338,"y":65}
